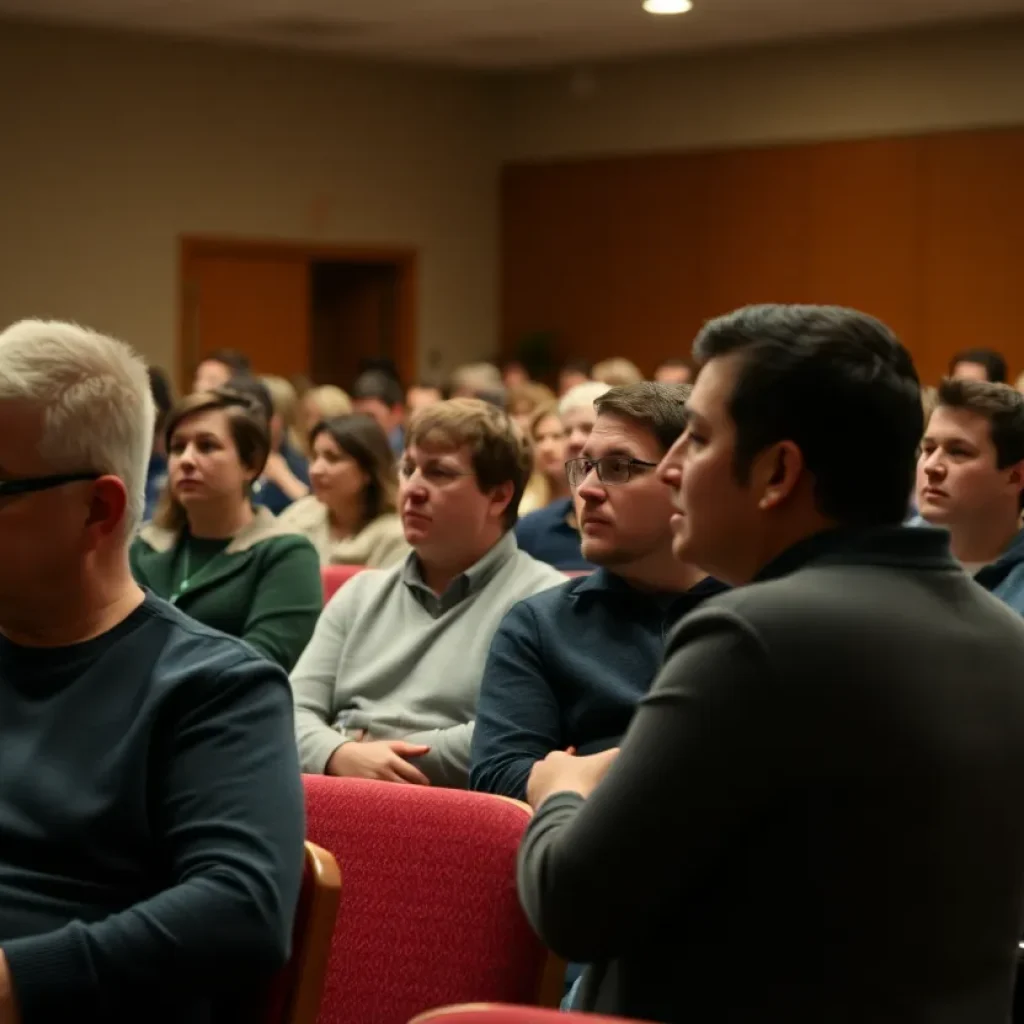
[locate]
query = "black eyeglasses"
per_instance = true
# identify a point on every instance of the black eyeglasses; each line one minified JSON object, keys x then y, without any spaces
{"x":612,"y":469}
{"x":9,"y":488}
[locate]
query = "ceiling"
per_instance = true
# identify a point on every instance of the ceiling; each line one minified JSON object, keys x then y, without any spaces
{"x":504,"y":34}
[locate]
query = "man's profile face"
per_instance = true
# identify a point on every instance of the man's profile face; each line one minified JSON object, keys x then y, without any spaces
{"x":387,"y":417}
{"x":958,"y":481}
{"x":210,"y":375}
{"x":717,"y":523}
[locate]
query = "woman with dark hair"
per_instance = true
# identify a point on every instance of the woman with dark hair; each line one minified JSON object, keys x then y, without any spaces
{"x":209,"y":551}
{"x":350,"y":516}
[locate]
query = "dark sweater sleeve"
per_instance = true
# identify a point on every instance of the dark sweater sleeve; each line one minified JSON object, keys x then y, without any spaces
{"x":517,"y":718}
{"x":598,"y":877}
{"x":288,"y":600}
{"x":227,"y":810}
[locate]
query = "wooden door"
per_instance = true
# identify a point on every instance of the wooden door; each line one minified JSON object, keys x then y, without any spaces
{"x":255,"y":302}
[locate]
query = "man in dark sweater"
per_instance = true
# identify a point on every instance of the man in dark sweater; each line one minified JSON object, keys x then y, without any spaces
{"x":816,"y":812}
{"x":567,"y":667}
{"x":151,"y":816}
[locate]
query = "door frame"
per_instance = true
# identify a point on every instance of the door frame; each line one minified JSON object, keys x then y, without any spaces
{"x":404,"y":260}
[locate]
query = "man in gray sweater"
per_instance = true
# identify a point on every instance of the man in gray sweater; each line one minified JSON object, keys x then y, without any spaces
{"x":387,"y":688}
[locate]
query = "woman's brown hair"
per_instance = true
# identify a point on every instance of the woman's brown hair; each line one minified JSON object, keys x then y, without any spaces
{"x":250,"y":433}
{"x":361,"y":438}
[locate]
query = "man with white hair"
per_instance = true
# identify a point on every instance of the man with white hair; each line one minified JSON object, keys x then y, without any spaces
{"x":551,"y":534}
{"x":151,"y":816}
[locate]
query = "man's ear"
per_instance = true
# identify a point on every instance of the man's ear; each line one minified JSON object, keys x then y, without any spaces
{"x":501,"y":496}
{"x":107,"y":507}
{"x":776,"y":472}
{"x":1015,"y":477}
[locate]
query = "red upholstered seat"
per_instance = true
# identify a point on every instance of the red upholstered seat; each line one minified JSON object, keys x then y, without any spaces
{"x":334,"y":576}
{"x":498,"y":1013}
{"x":429,"y":914}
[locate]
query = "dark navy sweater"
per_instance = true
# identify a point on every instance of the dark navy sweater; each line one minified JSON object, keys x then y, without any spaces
{"x":151,"y":822}
{"x":550,"y":537}
{"x":567,"y":668}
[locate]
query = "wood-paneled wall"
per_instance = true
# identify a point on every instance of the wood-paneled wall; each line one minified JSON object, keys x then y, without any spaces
{"x":628,"y":256}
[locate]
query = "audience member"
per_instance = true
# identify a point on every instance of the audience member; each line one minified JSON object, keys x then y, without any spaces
{"x":548,"y":481}
{"x":350,"y":517}
{"x":421,"y":395}
{"x":387,"y":689}
{"x":156,"y":474}
{"x":286,"y":476}
{"x":230,"y":566}
{"x":318,"y":404}
{"x":567,"y":667}
{"x":152,"y":812}
{"x":617,"y":372}
{"x":551,"y":534}
{"x":978,"y":364}
{"x":479,"y":380}
{"x":218,"y":367}
{"x":820,"y":757}
{"x":523,"y":400}
{"x":673,"y":371}
{"x":380,"y":395}
{"x":514,"y":374}
{"x":572,"y":373}
{"x":970,"y":479}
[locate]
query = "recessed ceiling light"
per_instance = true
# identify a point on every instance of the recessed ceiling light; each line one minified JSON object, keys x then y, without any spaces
{"x":667,"y":6}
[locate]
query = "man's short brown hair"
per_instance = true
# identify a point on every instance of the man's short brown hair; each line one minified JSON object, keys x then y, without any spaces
{"x":498,"y":452}
{"x":1000,"y":404}
{"x":660,"y":408}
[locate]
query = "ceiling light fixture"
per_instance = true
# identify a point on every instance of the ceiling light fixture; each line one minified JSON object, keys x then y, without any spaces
{"x":667,"y":6}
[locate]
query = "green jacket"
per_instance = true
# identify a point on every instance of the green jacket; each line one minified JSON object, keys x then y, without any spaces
{"x":265,"y":588}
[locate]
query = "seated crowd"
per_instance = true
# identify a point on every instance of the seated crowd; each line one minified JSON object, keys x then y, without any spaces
{"x":770,"y":698}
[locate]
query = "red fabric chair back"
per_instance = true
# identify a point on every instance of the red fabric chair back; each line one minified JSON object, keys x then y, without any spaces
{"x":334,"y":576}
{"x":429,"y":915}
{"x":497,"y":1013}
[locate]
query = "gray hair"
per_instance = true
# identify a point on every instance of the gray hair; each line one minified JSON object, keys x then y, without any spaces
{"x":582,"y":396}
{"x":93,"y":391}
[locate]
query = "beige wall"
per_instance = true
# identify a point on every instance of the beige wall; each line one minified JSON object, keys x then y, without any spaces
{"x":895,"y":85}
{"x":111,"y":147}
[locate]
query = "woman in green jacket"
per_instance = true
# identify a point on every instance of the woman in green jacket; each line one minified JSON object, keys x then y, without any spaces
{"x":209,"y":551}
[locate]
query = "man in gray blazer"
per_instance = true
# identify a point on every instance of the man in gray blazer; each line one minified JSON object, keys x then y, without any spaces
{"x":817,"y":814}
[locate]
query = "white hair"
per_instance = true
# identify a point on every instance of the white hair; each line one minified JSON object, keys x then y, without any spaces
{"x":94,"y":393}
{"x":582,"y":396}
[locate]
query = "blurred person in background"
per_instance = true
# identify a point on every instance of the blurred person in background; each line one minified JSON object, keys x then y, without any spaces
{"x":209,"y":551}
{"x":350,"y":518}
{"x":380,"y":395}
{"x":551,"y":534}
{"x":514,"y":374}
{"x":321,"y":403}
{"x":548,"y":481}
{"x":573,"y":372}
{"x":218,"y":367}
{"x":970,"y":479}
{"x":978,"y":364}
{"x":422,"y":394}
{"x":673,"y":371}
{"x":156,"y":476}
{"x":616,"y":372}
{"x":479,"y":380}
{"x":523,"y":400}
{"x":387,"y":688}
{"x":151,"y":814}
{"x":286,"y":476}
